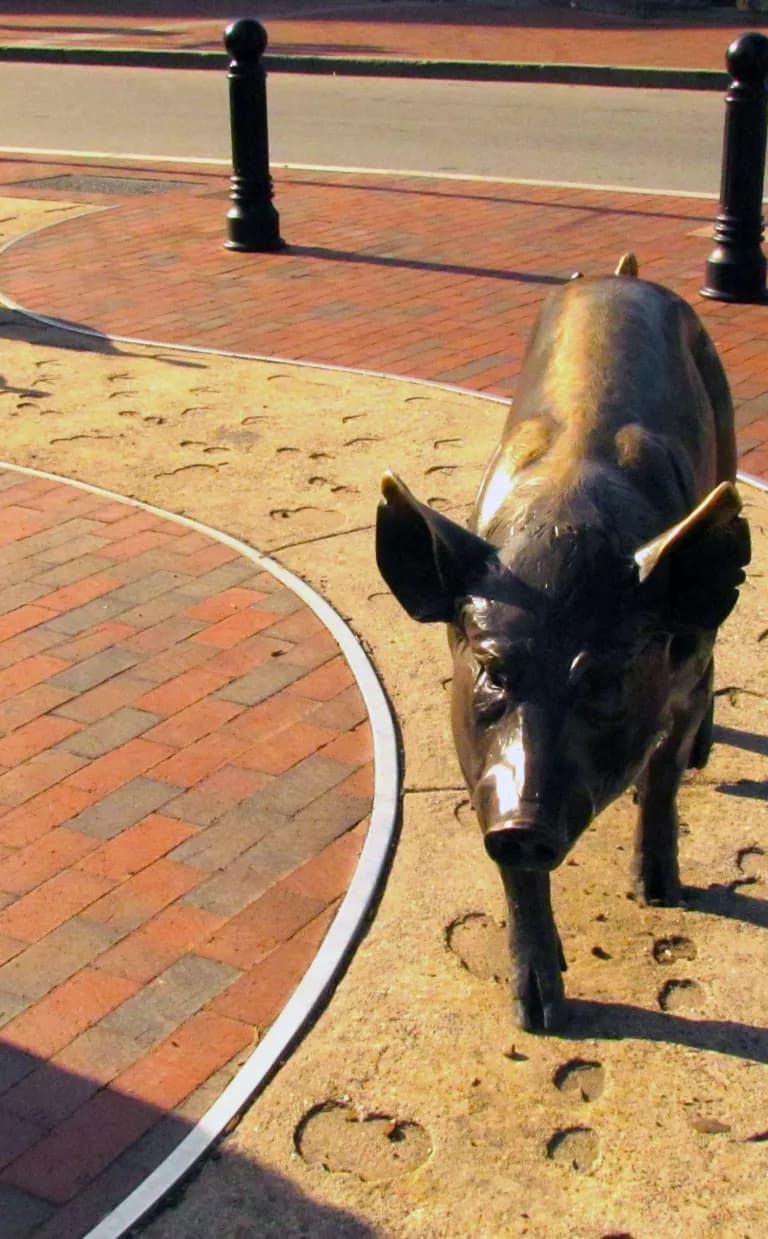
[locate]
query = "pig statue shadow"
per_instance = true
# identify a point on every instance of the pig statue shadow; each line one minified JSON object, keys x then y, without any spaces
{"x":604,"y":549}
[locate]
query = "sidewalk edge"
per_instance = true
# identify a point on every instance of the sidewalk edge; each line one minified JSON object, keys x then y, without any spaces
{"x":639,"y":76}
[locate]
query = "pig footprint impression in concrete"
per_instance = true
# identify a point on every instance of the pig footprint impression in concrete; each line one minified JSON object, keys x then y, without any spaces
{"x":578,"y":1147}
{"x":580,"y":1078}
{"x":678,"y":993}
{"x":374,"y":1147}
{"x":682,"y":995}
{"x":480,"y":944}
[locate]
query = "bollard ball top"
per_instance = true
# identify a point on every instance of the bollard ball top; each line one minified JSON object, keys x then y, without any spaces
{"x":747,"y":57}
{"x":246,"y":39}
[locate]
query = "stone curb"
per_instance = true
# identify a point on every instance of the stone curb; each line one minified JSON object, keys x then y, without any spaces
{"x":384,"y":66}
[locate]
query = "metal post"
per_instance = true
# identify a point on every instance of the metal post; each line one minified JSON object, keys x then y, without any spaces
{"x":736,"y":268}
{"x":253,"y":223}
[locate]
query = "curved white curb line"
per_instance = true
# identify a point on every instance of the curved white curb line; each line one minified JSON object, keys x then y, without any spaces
{"x":335,"y":951}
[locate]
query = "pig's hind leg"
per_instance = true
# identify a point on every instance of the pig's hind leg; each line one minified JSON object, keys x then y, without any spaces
{"x":536,"y":954}
{"x":655,"y":870}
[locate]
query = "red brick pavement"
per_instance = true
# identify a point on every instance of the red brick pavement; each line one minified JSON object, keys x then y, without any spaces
{"x":446,"y":31}
{"x":165,"y":880}
{"x":436,"y":279}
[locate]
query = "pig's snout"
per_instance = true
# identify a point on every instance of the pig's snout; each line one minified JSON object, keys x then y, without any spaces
{"x":524,"y":845}
{"x":519,"y":829}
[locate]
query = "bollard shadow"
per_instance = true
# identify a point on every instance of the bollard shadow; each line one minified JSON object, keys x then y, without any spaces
{"x":587,"y":1019}
{"x":749,"y":789}
{"x":74,"y":1147}
{"x":728,"y":902}
{"x":358,"y":258}
{"x":750,"y":741}
{"x":584,"y":208}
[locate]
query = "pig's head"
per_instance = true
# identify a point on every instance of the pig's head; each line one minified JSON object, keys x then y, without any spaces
{"x":571,"y":652}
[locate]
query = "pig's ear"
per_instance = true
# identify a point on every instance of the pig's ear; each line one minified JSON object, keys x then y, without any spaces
{"x":703,"y":556}
{"x":427,"y":560}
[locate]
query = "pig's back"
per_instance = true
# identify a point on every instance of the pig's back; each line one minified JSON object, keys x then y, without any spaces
{"x":619,"y":376}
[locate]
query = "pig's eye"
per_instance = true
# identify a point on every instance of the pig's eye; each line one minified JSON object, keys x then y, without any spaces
{"x":492,"y":676}
{"x":490,"y":694}
{"x":600,"y":692}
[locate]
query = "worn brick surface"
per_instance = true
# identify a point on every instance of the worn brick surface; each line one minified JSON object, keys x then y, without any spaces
{"x":177,"y":993}
{"x":157,"y":944}
{"x":212,"y":797}
{"x":134,"y":848}
{"x":141,"y":896}
{"x":122,"y":690}
{"x":32,"y":865}
{"x":109,"y":733}
{"x":69,"y":1010}
{"x":122,"y":808}
{"x":259,"y":995}
{"x":107,"y":773}
{"x":57,"y":956}
{"x":51,"y":904}
{"x":43,"y":813}
{"x":94,"y":670}
{"x":264,"y":682}
{"x":192,"y":723}
{"x":217,"y":845}
{"x":16,"y":1136}
{"x":169,"y":1072}
{"x":287,"y":747}
{"x":253,"y":933}
{"x":39,"y":772}
{"x":230,"y":890}
{"x":35,"y":736}
{"x":47,"y":1095}
{"x":195,"y":761}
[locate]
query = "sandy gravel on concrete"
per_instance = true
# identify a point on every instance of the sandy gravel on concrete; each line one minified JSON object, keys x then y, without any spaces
{"x":418,"y":1111}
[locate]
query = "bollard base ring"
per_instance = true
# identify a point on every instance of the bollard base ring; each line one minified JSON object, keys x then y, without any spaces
{"x":269,"y":245}
{"x":716,"y":294}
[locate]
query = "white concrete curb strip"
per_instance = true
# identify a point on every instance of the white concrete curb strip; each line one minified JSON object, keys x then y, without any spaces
{"x":335,"y":951}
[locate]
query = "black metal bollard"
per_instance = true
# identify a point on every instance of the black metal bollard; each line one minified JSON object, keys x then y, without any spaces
{"x":253,"y":223}
{"x":736,"y":268}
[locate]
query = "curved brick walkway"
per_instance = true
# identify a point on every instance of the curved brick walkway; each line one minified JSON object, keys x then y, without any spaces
{"x":185,"y":774}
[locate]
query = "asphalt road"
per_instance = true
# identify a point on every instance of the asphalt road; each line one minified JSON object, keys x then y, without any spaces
{"x":638,"y":138}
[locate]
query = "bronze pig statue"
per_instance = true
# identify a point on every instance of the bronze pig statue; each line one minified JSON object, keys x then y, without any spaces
{"x":582,"y":605}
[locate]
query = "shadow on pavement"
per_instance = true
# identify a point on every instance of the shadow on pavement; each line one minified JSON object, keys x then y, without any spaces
{"x":72,"y":1149}
{"x":751,"y":741}
{"x":559,"y":205}
{"x":77,"y":338}
{"x":418,"y":264}
{"x":615,"y":1020}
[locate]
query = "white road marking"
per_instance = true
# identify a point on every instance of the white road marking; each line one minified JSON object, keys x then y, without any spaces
{"x":186,"y":160}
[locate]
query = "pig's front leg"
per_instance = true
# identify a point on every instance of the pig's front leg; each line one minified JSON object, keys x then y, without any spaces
{"x":655,"y":870}
{"x":537,"y":956}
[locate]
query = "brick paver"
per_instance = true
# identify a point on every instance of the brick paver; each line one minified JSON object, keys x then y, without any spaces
{"x":134,"y":796}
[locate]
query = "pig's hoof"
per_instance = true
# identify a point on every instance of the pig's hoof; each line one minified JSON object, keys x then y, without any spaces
{"x":539,"y":1004}
{"x":658,"y":885}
